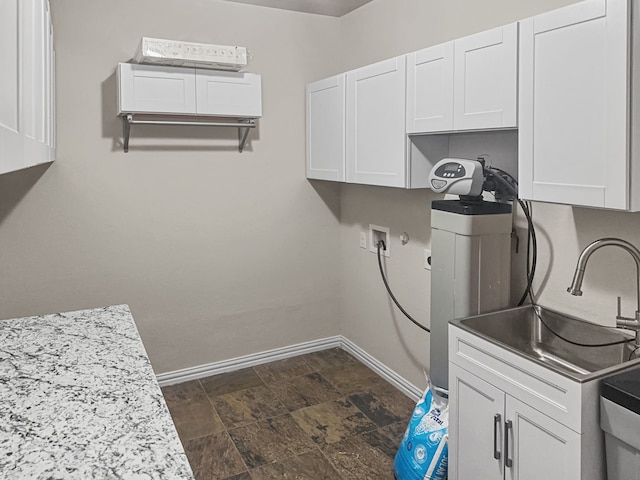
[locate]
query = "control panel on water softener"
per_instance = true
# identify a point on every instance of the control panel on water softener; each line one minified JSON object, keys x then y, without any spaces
{"x":457,"y":176}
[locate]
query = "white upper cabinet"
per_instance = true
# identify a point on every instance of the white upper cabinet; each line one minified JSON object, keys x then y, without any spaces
{"x":157,"y":89}
{"x":375,"y":132}
{"x":467,"y":84}
{"x":27,"y":131}
{"x":326,"y":129}
{"x":574,"y":135}
{"x":236,"y":94}
{"x":430,"y":89}
{"x":485,"y":93}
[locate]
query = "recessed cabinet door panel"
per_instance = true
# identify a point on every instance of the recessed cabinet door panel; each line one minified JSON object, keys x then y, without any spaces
{"x":375,"y":133}
{"x":540,"y":447}
{"x":10,"y":138}
{"x":228,"y":93}
{"x":573,"y":120}
{"x":34,"y":54}
{"x":430,"y":89}
{"x":486,"y":79}
{"x":156,"y":89}
{"x":326,"y":129}
{"x":476,"y":427}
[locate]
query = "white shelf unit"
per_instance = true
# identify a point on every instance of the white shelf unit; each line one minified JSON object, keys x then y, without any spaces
{"x":161,"y":95}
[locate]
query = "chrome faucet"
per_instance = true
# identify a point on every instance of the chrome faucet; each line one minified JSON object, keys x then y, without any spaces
{"x":574,"y":289}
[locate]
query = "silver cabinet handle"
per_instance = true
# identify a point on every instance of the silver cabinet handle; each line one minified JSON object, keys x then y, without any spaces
{"x":508,"y":426}
{"x":496,"y":422}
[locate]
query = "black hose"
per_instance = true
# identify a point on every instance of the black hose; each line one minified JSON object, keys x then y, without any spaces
{"x":380,"y":245}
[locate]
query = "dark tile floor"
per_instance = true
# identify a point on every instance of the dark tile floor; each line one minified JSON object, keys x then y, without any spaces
{"x":321,"y":416}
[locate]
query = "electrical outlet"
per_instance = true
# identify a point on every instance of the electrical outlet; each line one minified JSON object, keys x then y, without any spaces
{"x":363,"y":240}
{"x":427,"y":259}
{"x":376,"y":234}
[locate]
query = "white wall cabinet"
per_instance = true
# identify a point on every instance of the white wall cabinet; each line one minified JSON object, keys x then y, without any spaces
{"x":27,"y":87}
{"x":467,"y":84}
{"x":326,"y":129}
{"x":375,"y":124}
{"x":512,"y":419}
{"x":430,"y":89}
{"x":156,"y":89}
{"x":190,"y":93}
{"x":575,"y":102}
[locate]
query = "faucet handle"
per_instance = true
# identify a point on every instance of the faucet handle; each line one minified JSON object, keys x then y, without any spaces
{"x":619,"y":315}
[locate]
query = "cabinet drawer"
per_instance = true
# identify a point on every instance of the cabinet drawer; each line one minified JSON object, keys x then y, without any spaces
{"x":228,"y":94}
{"x":546,"y":391}
{"x":156,"y":89}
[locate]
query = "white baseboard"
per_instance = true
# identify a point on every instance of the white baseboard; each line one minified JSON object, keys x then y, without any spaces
{"x":238,"y":363}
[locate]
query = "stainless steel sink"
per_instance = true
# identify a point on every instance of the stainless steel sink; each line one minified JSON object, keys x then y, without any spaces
{"x":521,"y":331}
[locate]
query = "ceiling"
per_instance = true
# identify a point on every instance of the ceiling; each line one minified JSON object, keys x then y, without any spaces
{"x":334,"y":8}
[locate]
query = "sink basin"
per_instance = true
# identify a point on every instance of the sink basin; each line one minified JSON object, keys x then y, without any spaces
{"x":521,"y":331}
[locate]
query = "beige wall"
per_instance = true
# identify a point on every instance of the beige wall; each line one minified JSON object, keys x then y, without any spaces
{"x":219,"y":254}
{"x":383,"y":29}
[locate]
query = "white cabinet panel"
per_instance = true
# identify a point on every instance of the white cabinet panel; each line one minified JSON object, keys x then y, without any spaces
{"x":376,"y":124}
{"x":539,"y":446}
{"x":228,"y":93}
{"x":156,"y":89}
{"x":476,"y":433}
{"x":574,"y":93}
{"x":26,"y":84}
{"x":468,"y":84}
{"x":326,"y":129}
{"x":10,"y":137}
{"x":485,"y":91}
{"x":430,"y":89}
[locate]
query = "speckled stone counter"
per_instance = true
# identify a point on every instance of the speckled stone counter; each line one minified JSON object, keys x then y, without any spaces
{"x":79,"y":400}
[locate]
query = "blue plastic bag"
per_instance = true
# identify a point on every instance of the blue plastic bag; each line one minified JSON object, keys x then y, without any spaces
{"x":423,"y":452}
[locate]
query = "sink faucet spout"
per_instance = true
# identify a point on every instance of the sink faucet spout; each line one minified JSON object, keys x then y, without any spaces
{"x":578,"y":277}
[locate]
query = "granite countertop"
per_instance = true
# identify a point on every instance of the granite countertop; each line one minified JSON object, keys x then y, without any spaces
{"x":79,"y":400}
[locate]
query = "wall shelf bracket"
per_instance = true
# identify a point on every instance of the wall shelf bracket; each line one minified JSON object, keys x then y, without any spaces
{"x":243,"y":126}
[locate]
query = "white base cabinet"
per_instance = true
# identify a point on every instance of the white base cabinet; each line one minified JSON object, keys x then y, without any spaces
{"x":577,"y":79}
{"x":512,"y":419}
{"x":27,"y":85}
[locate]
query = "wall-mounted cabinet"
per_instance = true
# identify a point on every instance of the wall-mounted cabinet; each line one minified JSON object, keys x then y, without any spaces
{"x":326,"y":129}
{"x":356,"y":131}
{"x":357,"y":123}
{"x":375,"y":134}
{"x":577,"y":118}
{"x":27,"y":84}
{"x":188,"y":92}
{"x":466,"y":84}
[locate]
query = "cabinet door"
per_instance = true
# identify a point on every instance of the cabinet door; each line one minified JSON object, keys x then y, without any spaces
{"x":486,"y":79}
{"x":540,"y":447}
{"x":228,"y":93}
{"x":156,"y":89}
{"x":430,"y":89}
{"x":376,"y":138}
{"x":34,"y":95}
{"x":476,"y":427}
{"x":10,"y":136}
{"x":573,"y":105}
{"x":325,"y":129}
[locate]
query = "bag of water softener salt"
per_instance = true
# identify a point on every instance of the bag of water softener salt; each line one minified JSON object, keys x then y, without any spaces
{"x":423,"y":452}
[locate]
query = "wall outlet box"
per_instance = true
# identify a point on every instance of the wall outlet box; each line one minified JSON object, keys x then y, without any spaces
{"x":427,"y":259}
{"x":377,"y":233}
